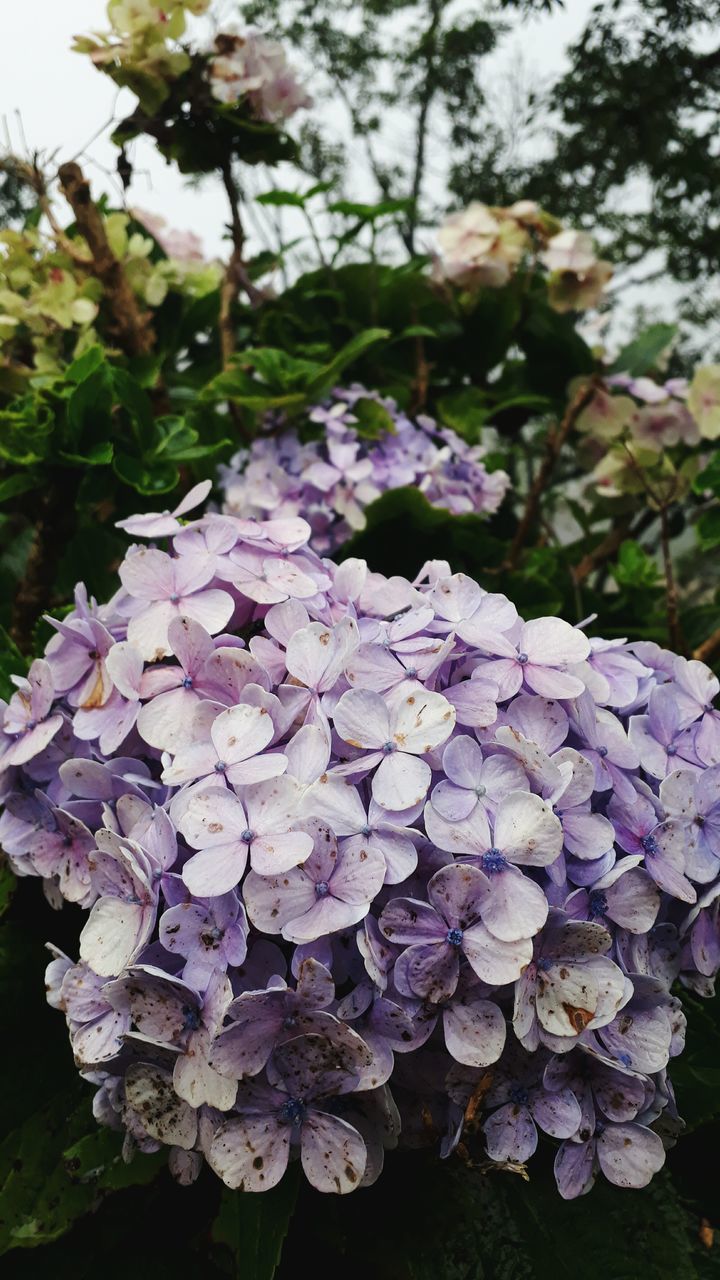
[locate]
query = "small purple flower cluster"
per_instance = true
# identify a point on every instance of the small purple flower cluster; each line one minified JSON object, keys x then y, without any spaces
{"x":330,"y":481}
{"x":364,"y":860}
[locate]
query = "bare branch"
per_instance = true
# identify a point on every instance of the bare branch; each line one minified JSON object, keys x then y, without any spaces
{"x":556,"y":440}
{"x":131,"y":326}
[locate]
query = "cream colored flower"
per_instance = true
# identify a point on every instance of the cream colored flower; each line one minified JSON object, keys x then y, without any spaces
{"x":704,"y":400}
{"x":481,"y":245}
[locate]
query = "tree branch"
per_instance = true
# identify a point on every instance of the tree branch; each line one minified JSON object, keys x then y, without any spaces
{"x":709,"y":648}
{"x":611,"y":543}
{"x":236,"y":276}
{"x":556,"y":440}
{"x":131,"y":327}
{"x":427,"y":93}
{"x":671,"y":594}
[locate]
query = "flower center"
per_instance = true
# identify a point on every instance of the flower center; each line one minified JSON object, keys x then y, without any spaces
{"x":247,"y":836}
{"x":518,"y":1095}
{"x":191,"y":1018}
{"x":293,"y":1112}
{"x":187,"y":682}
{"x":522,"y":658}
{"x":602,"y":752}
{"x":480,"y":791}
{"x":650,"y":845}
{"x":174,"y":598}
{"x":671,"y":750}
{"x":388,"y":748}
{"x":366,"y":831}
{"x":597,"y":905}
{"x":454,"y":937}
{"x":322,"y":889}
{"x":289,"y":1022}
{"x":220,"y":766}
{"x":493,"y":862}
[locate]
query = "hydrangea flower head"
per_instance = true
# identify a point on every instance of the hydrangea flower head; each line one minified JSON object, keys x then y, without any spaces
{"x":352,"y":850}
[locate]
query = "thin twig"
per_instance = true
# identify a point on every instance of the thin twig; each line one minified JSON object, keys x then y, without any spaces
{"x":663,"y":505}
{"x":556,"y":440}
{"x":611,"y":543}
{"x":709,"y":648}
{"x":671,"y":594}
{"x":427,"y":93}
{"x":236,"y":275}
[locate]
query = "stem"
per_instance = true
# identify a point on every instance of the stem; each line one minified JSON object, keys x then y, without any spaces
{"x":427,"y":93}
{"x":131,"y":326}
{"x":54,"y":523}
{"x":675,"y":635}
{"x":603,"y":551}
{"x":671,"y":595}
{"x":556,"y":440}
{"x":709,"y":648}
{"x":236,"y":276}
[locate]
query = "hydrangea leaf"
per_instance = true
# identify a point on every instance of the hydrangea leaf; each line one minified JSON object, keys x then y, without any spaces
{"x":254,"y":1227}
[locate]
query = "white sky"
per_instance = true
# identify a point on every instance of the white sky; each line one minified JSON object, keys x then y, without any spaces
{"x":62,"y":101}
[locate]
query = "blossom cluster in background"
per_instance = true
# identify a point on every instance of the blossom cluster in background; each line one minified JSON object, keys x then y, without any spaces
{"x":49,"y":301}
{"x":483,"y":246}
{"x":631,"y":424}
{"x":329,"y":481}
{"x":253,"y":67}
{"x":657,"y":415}
{"x":365,"y":861}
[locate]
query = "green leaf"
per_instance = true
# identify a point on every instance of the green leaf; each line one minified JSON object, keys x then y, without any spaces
{"x":403,"y":529}
{"x":21,"y":482}
{"x":370,"y":212}
{"x":373,"y":419}
{"x":97,"y":1160}
{"x":634,"y":567}
{"x":347,"y":355}
{"x":254,"y":1227}
{"x":12,"y":663}
{"x":708,"y":529}
{"x":98,"y":455}
{"x":90,"y":403}
{"x":641,"y":355}
{"x":709,"y":478}
{"x":55,"y":1167}
{"x":160,"y":478}
{"x":465,"y":411}
{"x":85,"y":364}
{"x":8,"y":884}
{"x":555,"y":352}
{"x":282,"y":199}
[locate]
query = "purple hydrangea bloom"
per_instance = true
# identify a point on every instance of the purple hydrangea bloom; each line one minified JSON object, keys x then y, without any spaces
{"x":332,"y":480}
{"x":364,"y":861}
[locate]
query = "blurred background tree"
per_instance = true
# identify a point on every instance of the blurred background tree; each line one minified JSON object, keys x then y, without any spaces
{"x":623,"y":140}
